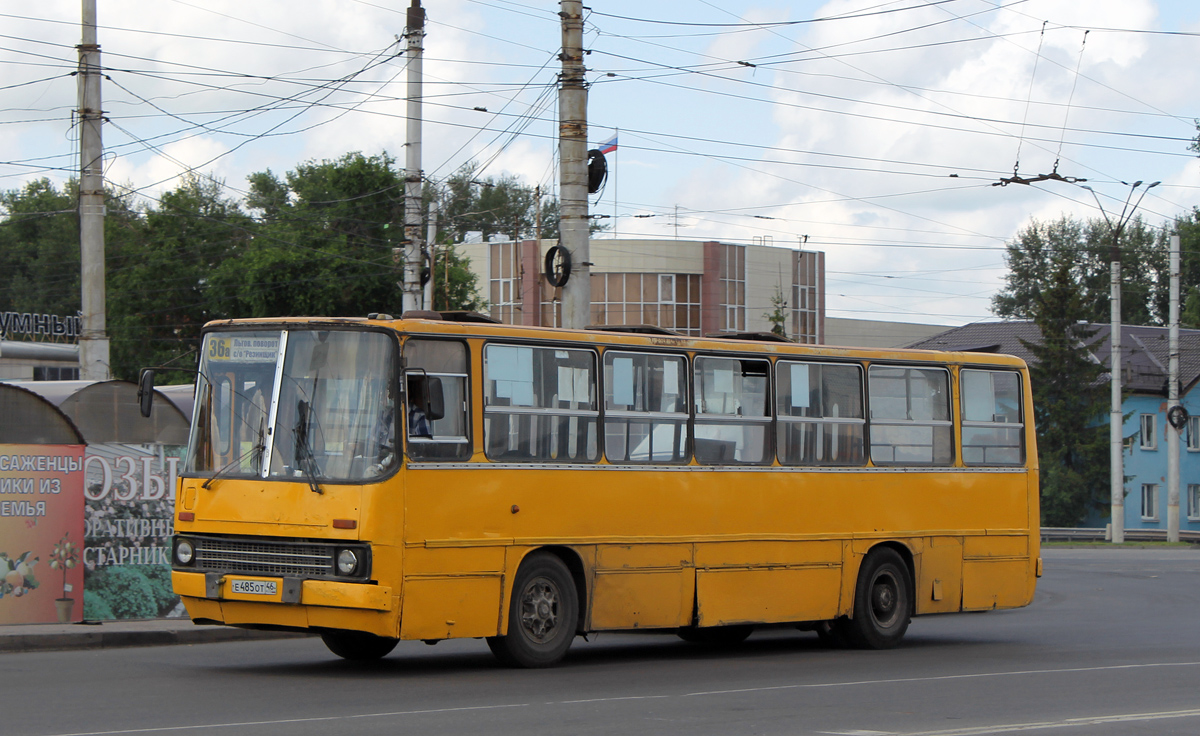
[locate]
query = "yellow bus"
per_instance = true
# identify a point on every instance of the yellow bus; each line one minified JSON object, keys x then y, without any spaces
{"x":441,"y":476}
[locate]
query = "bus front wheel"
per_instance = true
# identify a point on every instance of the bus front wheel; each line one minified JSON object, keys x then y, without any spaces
{"x":882,"y":601}
{"x":358,"y":646}
{"x":542,"y":615}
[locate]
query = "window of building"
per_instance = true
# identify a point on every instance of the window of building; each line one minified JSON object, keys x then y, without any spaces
{"x":670,"y":301}
{"x":645,"y":407}
{"x":1149,"y":440}
{"x":820,"y":411}
{"x":992,"y":430}
{"x":910,"y":416}
{"x":805,"y":300}
{"x":540,"y":404}
{"x":55,"y":373}
{"x":1150,"y":501}
{"x":733,"y":288}
{"x":1193,"y":501}
{"x":1193,"y":433}
{"x":504,"y":282}
{"x":733,"y":421}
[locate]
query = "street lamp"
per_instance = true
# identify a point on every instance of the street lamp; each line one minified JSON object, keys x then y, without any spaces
{"x":1116,"y":418}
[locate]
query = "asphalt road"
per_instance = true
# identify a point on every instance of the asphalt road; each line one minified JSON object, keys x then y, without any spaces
{"x":1110,"y":646}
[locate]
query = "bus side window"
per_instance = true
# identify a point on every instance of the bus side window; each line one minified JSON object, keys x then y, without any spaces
{"x":992,"y":429}
{"x":540,"y":404}
{"x":645,"y":407}
{"x":910,"y":416}
{"x":733,"y":422}
{"x":820,"y":411}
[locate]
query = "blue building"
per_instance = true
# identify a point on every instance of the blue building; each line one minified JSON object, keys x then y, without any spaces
{"x":1144,"y":368}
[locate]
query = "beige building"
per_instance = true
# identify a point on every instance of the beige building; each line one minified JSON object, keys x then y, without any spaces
{"x":691,"y":287}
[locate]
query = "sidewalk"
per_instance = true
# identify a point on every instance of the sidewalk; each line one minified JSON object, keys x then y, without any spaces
{"x":47,"y":637}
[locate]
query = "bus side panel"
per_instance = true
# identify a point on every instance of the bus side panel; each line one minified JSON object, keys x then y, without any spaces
{"x":451,"y":591}
{"x":996,"y":572}
{"x":642,"y":586}
{"x":768,"y":582}
{"x":446,"y":607}
{"x":939,"y":576}
{"x":767,"y":595}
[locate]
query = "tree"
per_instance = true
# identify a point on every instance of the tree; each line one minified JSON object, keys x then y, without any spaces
{"x":158,"y":285}
{"x":1087,"y":245}
{"x":326,"y":242}
{"x":778,"y":314}
{"x":1069,"y":398}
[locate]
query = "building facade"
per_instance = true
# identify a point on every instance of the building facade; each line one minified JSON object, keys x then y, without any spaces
{"x":690,"y":287}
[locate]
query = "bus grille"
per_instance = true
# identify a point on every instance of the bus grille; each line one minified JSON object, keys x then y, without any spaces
{"x":264,"y":558}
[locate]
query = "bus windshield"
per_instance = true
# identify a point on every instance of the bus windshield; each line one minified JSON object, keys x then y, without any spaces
{"x":314,"y":405}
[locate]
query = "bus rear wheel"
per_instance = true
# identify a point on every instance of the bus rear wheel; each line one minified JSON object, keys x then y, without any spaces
{"x":358,"y":646}
{"x":882,"y":601}
{"x":542,"y":615}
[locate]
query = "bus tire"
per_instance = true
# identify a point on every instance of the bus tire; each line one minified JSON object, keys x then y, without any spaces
{"x":716,"y":636}
{"x":358,"y":646}
{"x":882,"y":601}
{"x":542,"y":615}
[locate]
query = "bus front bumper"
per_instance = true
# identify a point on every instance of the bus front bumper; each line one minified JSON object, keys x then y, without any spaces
{"x":294,"y":591}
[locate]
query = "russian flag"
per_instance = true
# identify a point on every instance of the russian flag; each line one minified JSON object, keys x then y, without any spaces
{"x":609,"y":146}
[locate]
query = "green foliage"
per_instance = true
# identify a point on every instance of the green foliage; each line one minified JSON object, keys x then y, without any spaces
{"x":1087,"y":247}
{"x":455,"y":288}
{"x":126,"y":590}
{"x":158,"y":285}
{"x":325,"y":239}
{"x":779,"y":313}
{"x":1069,"y":398}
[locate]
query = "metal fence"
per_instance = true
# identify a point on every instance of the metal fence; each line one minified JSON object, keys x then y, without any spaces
{"x":1068,"y":534}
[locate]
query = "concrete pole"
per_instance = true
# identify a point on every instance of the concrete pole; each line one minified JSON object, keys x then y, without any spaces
{"x":93,"y":338}
{"x":413,"y":296}
{"x":572,"y":146}
{"x":1116,"y":419}
{"x":1173,"y":398}
{"x":430,"y":239}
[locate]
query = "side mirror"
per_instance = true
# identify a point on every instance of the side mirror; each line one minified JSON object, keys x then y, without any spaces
{"x":435,"y":403}
{"x":146,"y":391}
{"x":425,"y":391}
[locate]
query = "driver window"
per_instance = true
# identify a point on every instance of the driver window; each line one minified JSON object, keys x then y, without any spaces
{"x":436,"y":400}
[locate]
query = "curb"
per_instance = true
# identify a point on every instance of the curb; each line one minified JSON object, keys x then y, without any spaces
{"x":112,"y":639}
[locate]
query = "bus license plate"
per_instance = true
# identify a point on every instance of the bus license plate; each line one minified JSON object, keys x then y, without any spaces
{"x":255,"y":587}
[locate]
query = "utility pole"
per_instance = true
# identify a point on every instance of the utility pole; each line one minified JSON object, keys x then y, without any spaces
{"x":1116,"y":418}
{"x":572,"y":146}
{"x":414,"y":252}
{"x":1173,"y":398}
{"x":93,"y":338}
{"x":430,"y":239}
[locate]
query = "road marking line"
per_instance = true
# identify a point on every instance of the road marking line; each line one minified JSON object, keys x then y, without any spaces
{"x":1066,"y":723}
{"x":976,"y":731}
{"x":606,"y":700}
{"x":314,"y":719}
{"x":937,"y":678}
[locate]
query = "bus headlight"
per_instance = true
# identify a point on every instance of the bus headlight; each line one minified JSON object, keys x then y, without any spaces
{"x":184,"y":552}
{"x":347,"y":562}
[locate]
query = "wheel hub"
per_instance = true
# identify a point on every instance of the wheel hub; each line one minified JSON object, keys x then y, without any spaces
{"x":539,"y":609}
{"x":883,"y":600}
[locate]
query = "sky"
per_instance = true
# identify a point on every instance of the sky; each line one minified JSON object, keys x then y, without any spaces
{"x":875,"y":131}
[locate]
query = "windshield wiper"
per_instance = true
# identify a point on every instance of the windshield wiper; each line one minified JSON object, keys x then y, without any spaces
{"x":258,"y":449}
{"x":305,"y":459}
